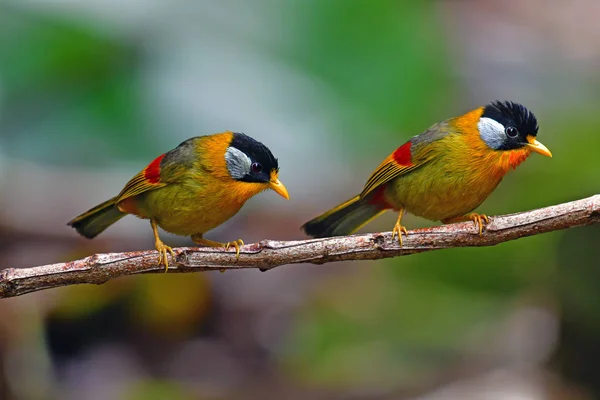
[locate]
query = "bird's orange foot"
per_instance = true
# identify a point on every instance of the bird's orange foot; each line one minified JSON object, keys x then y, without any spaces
{"x":479,"y":219}
{"x":162,"y":253}
{"x":198,"y":239}
{"x":237,"y":244}
{"x":399,"y":230}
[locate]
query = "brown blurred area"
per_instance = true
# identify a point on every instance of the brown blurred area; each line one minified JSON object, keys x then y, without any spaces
{"x":92,"y":91}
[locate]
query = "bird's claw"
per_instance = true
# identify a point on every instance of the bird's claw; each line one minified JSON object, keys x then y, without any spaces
{"x":479,"y":220}
{"x":162,"y":254}
{"x":237,"y":244}
{"x":399,"y":230}
{"x":198,"y":239}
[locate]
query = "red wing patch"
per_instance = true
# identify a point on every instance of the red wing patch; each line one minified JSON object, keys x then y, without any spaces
{"x":396,"y":164}
{"x":402,"y":154}
{"x":152,"y":171}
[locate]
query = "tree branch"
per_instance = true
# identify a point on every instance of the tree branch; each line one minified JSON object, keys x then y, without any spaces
{"x":269,"y":254}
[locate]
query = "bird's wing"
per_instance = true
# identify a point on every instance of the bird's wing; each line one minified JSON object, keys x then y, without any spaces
{"x":411,"y":155}
{"x":165,"y":169}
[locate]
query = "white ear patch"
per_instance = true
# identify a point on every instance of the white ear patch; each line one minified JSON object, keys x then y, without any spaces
{"x":491,"y":132}
{"x":238,"y":163}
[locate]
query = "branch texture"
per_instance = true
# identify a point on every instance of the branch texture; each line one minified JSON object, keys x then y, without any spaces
{"x":268,"y":254}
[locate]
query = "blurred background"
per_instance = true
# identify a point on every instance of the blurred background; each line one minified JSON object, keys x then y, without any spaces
{"x":91,"y":91}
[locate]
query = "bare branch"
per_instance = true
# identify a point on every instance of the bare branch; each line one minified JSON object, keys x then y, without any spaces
{"x":269,"y":254}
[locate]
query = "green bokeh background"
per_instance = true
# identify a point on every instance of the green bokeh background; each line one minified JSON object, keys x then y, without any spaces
{"x":87,"y":98}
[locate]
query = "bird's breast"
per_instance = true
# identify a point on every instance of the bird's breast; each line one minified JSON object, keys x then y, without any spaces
{"x":454,"y":182}
{"x":196,"y":206}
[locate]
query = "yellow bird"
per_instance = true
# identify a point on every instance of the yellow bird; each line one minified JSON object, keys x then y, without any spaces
{"x":442,"y":174}
{"x":191,"y":189}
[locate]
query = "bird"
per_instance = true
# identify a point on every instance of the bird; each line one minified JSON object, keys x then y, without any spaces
{"x":442,"y":174}
{"x":191,"y":189}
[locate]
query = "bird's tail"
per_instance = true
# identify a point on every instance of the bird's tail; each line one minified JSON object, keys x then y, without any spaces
{"x":344,"y":219}
{"x":92,"y":222}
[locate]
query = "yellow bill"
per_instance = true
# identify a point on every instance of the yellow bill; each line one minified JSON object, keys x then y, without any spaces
{"x":537,"y":147}
{"x":277,"y":186}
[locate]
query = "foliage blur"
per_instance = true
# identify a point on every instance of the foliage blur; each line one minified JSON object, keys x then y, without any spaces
{"x":91,"y":91}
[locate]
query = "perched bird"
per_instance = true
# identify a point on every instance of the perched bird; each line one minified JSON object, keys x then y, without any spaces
{"x":442,"y":174}
{"x":191,"y":189}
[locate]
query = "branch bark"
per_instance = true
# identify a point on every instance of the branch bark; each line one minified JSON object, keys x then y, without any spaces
{"x":268,"y":254}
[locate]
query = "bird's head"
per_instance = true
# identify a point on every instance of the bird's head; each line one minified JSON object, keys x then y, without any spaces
{"x":252,"y":162}
{"x":507,"y":126}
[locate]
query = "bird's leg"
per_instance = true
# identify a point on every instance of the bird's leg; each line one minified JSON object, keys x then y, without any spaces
{"x":398,"y":228}
{"x":161,"y":247}
{"x":198,"y":239}
{"x":478,"y":219}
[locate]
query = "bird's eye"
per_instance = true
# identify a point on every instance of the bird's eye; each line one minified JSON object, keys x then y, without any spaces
{"x":256,"y":168}
{"x":512,"y":132}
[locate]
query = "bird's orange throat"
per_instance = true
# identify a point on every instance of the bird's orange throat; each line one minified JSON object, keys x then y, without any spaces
{"x":500,"y":162}
{"x":240,"y":192}
{"x":515,"y":157}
